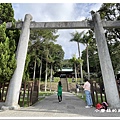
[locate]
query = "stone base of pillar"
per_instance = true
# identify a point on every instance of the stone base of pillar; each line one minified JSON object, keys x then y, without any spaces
{"x":10,"y":107}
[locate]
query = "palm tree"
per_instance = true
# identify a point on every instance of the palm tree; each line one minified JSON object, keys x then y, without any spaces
{"x":86,"y":40}
{"x":51,"y":61}
{"x":40,"y":71}
{"x":77,"y":37}
{"x":46,"y":71}
{"x":54,"y":58}
{"x":74,"y":61}
{"x":34,"y":51}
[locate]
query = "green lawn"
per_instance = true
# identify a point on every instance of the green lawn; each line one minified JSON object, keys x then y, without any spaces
{"x":81,"y":96}
{"x":47,"y":93}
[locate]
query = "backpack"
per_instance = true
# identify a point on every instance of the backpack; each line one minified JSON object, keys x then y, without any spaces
{"x":98,"y":106}
{"x":104,"y":105}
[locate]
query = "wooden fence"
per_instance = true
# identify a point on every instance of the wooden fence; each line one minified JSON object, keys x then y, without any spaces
{"x":28,"y":93}
{"x":3,"y":91}
{"x":98,"y":93}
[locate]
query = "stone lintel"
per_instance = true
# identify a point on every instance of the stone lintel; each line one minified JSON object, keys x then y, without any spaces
{"x":111,"y":24}
{"x":62,"y":25}
{"x":66,"y":25}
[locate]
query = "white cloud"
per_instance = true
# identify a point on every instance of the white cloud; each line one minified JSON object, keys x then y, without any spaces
{"x":45,"y":12}
{"x":57,"y":12}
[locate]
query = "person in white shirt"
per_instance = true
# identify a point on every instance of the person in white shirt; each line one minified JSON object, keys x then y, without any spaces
{"x":86,"y":87}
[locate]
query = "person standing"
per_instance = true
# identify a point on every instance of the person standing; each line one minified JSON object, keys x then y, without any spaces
{"x":59,"y":90}
{"x":77,"y":88}
{"x":87,"y":90}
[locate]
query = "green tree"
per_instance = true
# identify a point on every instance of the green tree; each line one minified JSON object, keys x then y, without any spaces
{"x":42,"y":39}
{"x":50,"y":36}
{"x":86,"y":40}
{"x":7,"y":57}
{"x":77,"y":37}
{"x":66,"y":64}
{"x":35,"y":56}
{"x":8,"y":38}
{"x":6,"y":13}
{"x":26,"y":75}
{"x":111,"y":11}
{"x":93,"y":60}
{"x":74,"y":61}
{"x":8,"y":42}
{"x":56,"y":55}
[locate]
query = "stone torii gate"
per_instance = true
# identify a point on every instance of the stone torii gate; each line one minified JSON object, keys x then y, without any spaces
{"x":105,"y":62}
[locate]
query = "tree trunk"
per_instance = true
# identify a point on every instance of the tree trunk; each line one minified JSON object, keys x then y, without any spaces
{"x":88,"y":70}
{"x":34,"y":70}
{"x":50,"y":76}
{"x":40,"y":74}
{"x":46,"y":77}
{"x":80,"y":64}
{"x":79,"y":49}
{"x":75,"y":73}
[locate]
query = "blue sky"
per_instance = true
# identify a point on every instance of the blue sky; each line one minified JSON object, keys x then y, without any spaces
{"x":58,"y":12}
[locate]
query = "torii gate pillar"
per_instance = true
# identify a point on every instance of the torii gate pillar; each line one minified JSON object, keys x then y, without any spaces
{"x":105,"y":63}
{"x":15,"y":83}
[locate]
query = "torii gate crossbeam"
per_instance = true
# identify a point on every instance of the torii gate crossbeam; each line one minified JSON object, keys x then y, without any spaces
{"x":66,"y":25}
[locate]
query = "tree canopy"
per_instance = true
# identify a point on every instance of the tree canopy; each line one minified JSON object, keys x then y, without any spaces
{"x":7,"y":43}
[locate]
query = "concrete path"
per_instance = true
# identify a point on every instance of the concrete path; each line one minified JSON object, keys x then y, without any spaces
{"x":71,"y":106}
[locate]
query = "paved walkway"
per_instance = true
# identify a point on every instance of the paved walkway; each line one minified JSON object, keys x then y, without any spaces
{"x":71,"y":106}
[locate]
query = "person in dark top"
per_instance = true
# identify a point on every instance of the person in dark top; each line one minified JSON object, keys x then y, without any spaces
{"x":102,"y":87}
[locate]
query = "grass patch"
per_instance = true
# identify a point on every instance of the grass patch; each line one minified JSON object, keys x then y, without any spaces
{"x":81,"y":96}
{"x":69,"y":80}
{"x":99,"y":98}
{"x":42,"y":94}
{"x":25,"y":104}
{"x":47,"y":93}
{"x":56,"y":79}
